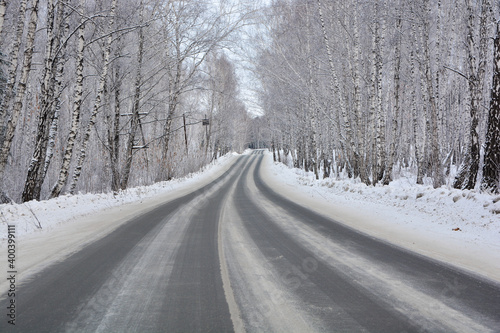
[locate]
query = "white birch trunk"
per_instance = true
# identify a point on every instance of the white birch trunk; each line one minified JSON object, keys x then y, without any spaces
{"x":348,"y":142}
{"x":467,"y":175}
{"x":61,"y":61}
{"x":50,"y":92}
{"x":173,"y":99}
{"x":97,"y":104}
{"x":312,"y":107}
{"x":52,"y":138}
{"x":134,"y":122}
{"x":114,"y":133}
{"x":21,"y":89}
{"x":437,"y":169}
{"x":491,"y":168}
{"x":396,"y":109}
{"x":77,"y":102}
{"x":3,"y":7}
{"x":13,"y":58}
{"x":416,"y":80}
{"x":377,"y":116}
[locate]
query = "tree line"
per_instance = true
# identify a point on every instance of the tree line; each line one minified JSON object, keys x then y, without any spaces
{"x":371,"y":87}
{"x":104,"y":95}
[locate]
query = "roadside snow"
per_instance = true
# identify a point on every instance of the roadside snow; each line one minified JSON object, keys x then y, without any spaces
{"x":36,"y":217}
{"x":461,"y":228}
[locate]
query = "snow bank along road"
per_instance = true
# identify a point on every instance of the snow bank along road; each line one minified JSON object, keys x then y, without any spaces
{"x":236,"y":256}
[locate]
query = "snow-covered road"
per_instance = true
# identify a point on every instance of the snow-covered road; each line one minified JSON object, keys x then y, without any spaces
{"x":228,"y":250}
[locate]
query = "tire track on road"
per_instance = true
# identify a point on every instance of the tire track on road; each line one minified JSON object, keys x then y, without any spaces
{"x":325,"y":292}
{"x":195,"y":298}
{"x":66,"y":295}
{"x":455,"y":291}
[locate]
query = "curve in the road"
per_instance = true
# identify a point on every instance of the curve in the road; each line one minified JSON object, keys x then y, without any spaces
{"x":177,"y":268}
{"x":67,"y":296}
{"x":468,"y":302}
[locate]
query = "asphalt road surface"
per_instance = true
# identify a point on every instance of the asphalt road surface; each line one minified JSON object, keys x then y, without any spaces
{"x":236,"y":256}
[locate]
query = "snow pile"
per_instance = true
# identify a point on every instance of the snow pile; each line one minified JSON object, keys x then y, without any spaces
{"x":463,"y":209}
{"x":44,"y":216}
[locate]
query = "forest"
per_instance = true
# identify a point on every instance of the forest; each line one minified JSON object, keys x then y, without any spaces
{"x":371,"y":88}
{"x":100,"y":96}
{"x":106,"y":95}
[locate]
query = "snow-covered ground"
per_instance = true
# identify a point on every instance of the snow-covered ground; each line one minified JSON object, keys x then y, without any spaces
{"x":458,"y":227}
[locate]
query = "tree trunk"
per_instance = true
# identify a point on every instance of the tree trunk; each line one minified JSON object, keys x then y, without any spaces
{"x":418,"y":148}
{"x":3,"y":7}
{"x":97,"y":103}
{"x":50,"y":91}
{"x":13,"y":58}
{"x":377,"y":117}
{"x":491,"y":168}
{"x":437,"y":169}
{"x":361,"y":145}
{"x":114,"y":135}
{"x":467,"y":175}
{"x":77,"y":102}
{"x":134,"y":122}
{"x":395,"y":115}
{"x":335,"y":89}
{"x":173,"y":99}
{"x":312,"y":103}
{"x":21,"y":89}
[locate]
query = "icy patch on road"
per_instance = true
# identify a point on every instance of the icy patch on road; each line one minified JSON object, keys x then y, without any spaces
{"x":454,"y":226}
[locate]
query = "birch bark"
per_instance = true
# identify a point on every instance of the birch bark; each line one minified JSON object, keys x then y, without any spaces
{"x":3,"y":7}
{"x":396,"y":109}
{"x":437,"y":169}
{"x":21,"y":89}
{"x":50,"y":91}
{"x":467,"y":175}
{"x":348,"y":143}
{"x":114,"y":132}
{"x":312,"y":107}
{"x":418,"y":147}
{"x":491,"y":168}
{"x":13,"y":58}
{"x":75,"y":115}
{"x":134,"y":122}
{"x":377,"y":116}
{"x":97,"y":104}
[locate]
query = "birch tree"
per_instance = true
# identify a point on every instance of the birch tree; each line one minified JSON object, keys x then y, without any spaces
{"x":396,"y":108}
{"x":3,"y":7}
{"x":76,"y":108}
{"x":491,"y":168}
{"x":192,"y":33}
{"x":13,"y":59}
{"x":113,"y":124}
{"x":377,"y":116}
{"x":432,"y":103}
{"x":336,"y":93}
{"x":21,"y":88}
{"x":50,"y":91}
{"x":98,"y":100}
{"x":135,"y":120}
{"x":467,"y":175}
